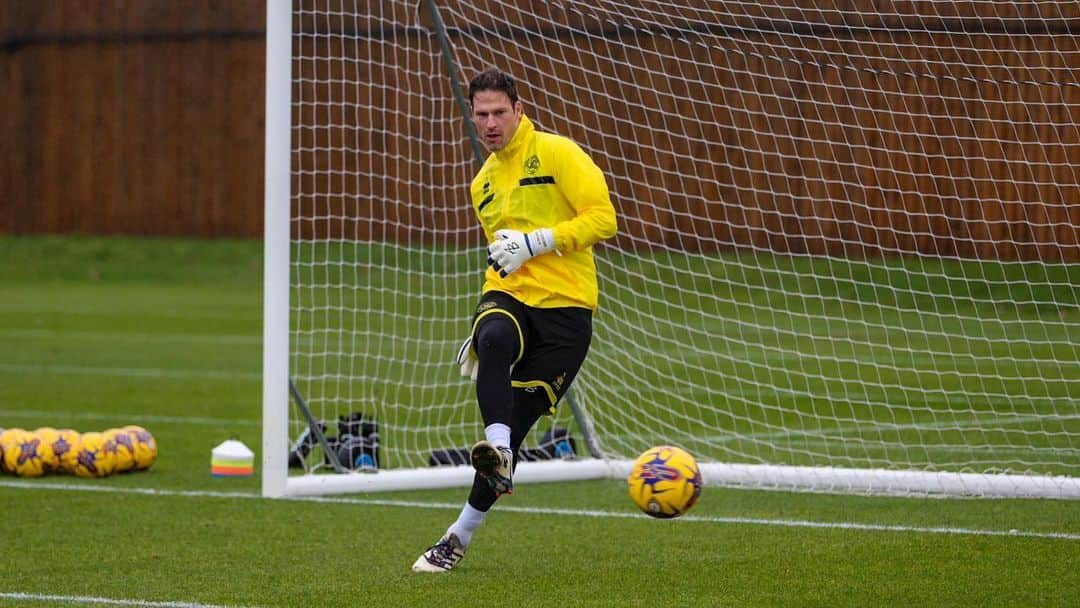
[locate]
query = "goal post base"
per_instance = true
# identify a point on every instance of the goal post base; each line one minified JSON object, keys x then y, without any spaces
{"x":441,"y":477}
{"x":879,"y":482}
{"x":748,"y":476}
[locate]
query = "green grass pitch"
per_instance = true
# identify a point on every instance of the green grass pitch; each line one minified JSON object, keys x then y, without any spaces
{"x":101,"y":332}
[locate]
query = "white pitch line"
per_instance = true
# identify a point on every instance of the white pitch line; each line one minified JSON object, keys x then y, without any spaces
{"x":9,"y":332}
{"x":786,"y":523}
{"x":89,"y":599}
{"x":596,"y":513}
{"x":186,"y":314}
{"x":193,"y":420}
{"x":127,"y":372}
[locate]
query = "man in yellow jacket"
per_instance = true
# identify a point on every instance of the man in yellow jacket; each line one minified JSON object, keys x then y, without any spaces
{"x":543,"y":203}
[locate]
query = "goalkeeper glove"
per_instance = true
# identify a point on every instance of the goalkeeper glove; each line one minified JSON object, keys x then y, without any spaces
{"x":511,"y":248}
{"x":466,"y":358}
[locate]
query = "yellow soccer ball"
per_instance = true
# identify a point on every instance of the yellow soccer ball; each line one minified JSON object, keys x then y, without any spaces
{"x":7,"y":438}
{"x":145,"y":446}
{"x":96,"y":456}
{"x":125,"y":449}
{"x":665,"y":482}
{"x":66,"y":447}
{"x":27,"y":455}
{"x":48,"y":436}
{"x":8,"y":435}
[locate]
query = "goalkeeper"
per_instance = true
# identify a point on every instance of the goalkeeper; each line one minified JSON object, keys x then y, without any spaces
{"x":543,"y":203}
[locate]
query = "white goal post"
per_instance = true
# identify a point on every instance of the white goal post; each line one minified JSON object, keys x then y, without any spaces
{"x":848,"y":258}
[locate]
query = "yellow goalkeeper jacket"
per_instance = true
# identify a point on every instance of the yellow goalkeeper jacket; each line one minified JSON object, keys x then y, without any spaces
{"x":542,"y":180}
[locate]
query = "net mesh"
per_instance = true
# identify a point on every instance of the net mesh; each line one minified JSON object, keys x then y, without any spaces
{"x":848,"y":231}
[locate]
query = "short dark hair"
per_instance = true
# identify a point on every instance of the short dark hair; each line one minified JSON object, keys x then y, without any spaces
{"x":493,"y":79}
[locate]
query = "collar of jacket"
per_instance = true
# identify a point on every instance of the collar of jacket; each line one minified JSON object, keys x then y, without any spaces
{"x":524,"y":131}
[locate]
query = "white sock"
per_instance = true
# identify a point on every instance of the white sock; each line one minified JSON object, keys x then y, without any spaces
{"x":467,"y":523}
{"x":498,"y":434}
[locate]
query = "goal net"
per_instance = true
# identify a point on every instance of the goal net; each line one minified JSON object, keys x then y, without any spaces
{"x":849,"y":247}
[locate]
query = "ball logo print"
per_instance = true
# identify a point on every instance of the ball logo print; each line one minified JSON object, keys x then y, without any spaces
{"x":62,"y":446}
{"x":87,"y":460}
{"x":66,"y":449}
{"x":28,"y":451}
{"x":32,"y":456}
{"x":665,"y":482}
{"x":657,"y":471}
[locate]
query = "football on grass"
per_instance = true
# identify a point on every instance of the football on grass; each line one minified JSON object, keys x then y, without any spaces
{"x":665,"y":482}
{"x":96,"y":456}
{"x":66,"y":447}
{"x":49,"y":436}
{"x":7,"y":439}
{"x":26,"y":455}
{"x":125,"y":449}
{"x":144,"y":445}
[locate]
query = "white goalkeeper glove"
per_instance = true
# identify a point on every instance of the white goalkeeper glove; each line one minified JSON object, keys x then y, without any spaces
{"x":466,"y":358}
{"x":511,"y":248}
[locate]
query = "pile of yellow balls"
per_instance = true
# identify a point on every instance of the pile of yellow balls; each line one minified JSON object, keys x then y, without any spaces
{"x":93,"y":454}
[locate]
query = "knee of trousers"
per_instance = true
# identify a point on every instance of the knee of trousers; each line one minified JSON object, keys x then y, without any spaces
{"x":498,"y":334}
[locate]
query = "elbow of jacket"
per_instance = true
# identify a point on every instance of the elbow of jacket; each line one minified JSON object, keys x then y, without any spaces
{"x":609,"y":229}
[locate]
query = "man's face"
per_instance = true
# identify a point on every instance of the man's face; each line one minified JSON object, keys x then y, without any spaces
{"x":496,"y":119}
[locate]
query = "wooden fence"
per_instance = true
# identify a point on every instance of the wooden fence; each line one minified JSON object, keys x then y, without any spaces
{"x":132,"y":118}
{"x":779,"y":134}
